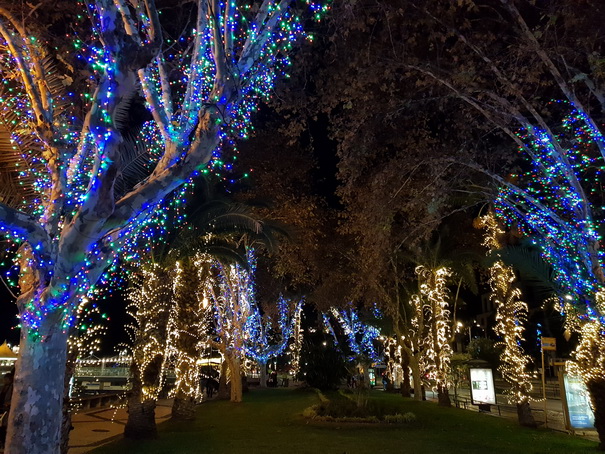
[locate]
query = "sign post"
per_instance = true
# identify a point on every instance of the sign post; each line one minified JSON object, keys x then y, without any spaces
{"x":548,"y":343}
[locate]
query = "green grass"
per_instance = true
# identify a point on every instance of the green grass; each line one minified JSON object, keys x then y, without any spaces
{"x":270,"y":421}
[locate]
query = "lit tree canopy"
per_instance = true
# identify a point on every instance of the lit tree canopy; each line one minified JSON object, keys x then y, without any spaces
{"x":200,"y":91}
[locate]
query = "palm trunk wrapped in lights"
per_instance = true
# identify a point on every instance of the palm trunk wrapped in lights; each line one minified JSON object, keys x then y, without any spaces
{"x":434,"y":297}
{"x":151,"y":301}
{"x":186,"y":332}
{"x":511,"y":317}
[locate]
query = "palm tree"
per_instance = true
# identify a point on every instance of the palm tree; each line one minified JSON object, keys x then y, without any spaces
{"x":217,"y":228}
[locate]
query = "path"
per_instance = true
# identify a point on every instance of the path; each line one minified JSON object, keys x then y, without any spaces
{"x":96,"y":427}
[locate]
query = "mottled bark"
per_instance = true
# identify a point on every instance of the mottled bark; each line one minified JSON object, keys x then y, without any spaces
{"x":66,"y":421}
{"x":36,"y":406}
{"x":141,"y":420}
{"x":596,"y":388}
{"x":183,"y":408}
{"x":525,"y":416}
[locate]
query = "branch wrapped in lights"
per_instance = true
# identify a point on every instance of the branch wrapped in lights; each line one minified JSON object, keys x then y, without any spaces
{"x":360,"y":336}
{"x":230,"y":292}
{"x":227,"y":64}
{"x":262,"y":342}
{"x":552,"y":205}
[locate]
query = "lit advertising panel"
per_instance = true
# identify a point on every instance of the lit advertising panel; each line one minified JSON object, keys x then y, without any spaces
{"x":482,"y":387}
{"x":578,"y":403}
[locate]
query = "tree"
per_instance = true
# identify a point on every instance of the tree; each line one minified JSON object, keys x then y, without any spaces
{"x":197,"y":94}
{"x":231,"y":298}
{"x":262,"y":342}
{"x":359,"y":337}
{"x":181,"y":264}
{"x":432,"y":300}
{"x":186,"y":333}
{"x":151,"y":294}
{"x":511,"y":318}
{"x":507,"y":66}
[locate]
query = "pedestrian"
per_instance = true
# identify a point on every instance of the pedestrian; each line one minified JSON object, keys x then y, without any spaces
{"x":211,"y":387}
{"x":6,"y":393}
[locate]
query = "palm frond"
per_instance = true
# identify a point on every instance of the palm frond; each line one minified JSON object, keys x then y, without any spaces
{"x":135,"y":165}
{"x":533,"y":271}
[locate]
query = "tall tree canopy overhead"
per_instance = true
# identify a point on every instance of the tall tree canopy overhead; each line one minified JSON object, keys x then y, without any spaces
{"x":92,"y":176}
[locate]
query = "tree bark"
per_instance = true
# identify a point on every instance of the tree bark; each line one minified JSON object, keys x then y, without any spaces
{"x":35,"y":423}
{"x":141,"y":411}
{"x":223,"y":388}
{"x":417,"y":378}
{"x":263,"y":374}
{"x":597,"y":395}
{"x":236,"y":379}
{"x":66,"y":426}
{"x":525,"y":416}
{"x":141,"y":420}
{"x":405,"y":383}
{"x":183,"y":408}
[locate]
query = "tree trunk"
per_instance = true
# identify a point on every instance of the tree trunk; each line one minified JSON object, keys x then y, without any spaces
{"x":183,"y":408}
{"x":597,"y":396}
{"x":366,"y":375}
{"x":223,"y":388}
{"x":525,"y":416}
{"x":417,"y":378}
{"x":263,"y":374}
{"x":35,"y":424}
{"x":443,"y":396}
{"x":405,"y":383}
{"x":141,"y":409}
{"x":141,"y":420}
{"x":236,"y":379}
{"x":66,"y":426}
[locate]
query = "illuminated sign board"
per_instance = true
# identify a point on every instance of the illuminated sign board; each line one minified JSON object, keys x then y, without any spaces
{"x":578,"y":403}
{"x":482,"y":387}
{"x":549,"y":343}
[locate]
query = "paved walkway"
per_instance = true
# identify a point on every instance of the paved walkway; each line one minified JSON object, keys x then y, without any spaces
{"x":96,"y":427}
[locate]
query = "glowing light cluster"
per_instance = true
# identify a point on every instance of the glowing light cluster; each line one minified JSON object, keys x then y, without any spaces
{"x":201,"y":91}
{"x":433,"y":299}
{"x":360,"y":336}
{"x":552,"y":204}
{"x":263,"y":341}
{"x":511,"y":318}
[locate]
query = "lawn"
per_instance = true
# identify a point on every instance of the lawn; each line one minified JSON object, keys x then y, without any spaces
{"x":270,"y":421}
